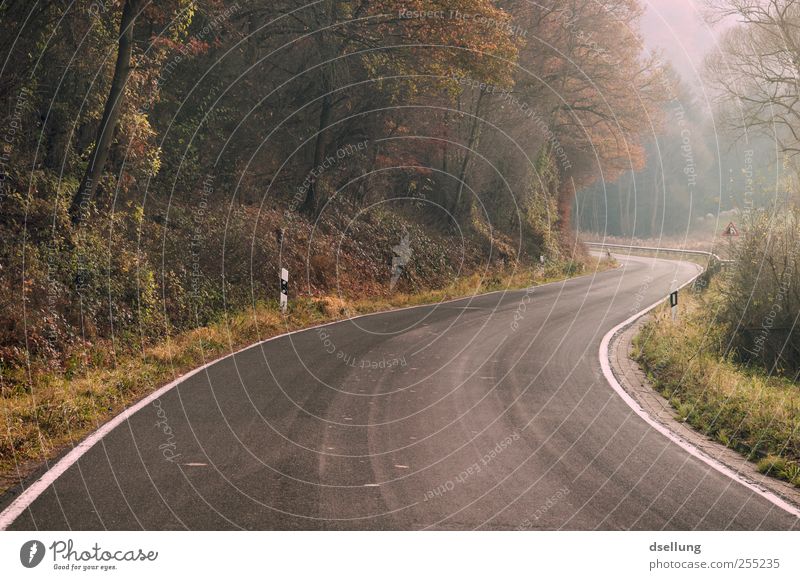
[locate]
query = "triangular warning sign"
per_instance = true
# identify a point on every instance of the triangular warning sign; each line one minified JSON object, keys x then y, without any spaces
{"x":730,"y":230}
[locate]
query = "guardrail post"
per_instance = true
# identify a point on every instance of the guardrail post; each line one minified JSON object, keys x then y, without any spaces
{"x":284,"y":289}
{"x":673,"y":302}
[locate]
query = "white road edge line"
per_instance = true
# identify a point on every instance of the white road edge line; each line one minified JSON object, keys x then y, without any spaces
{"x":31,"y":493}
{"x":605,"y":364}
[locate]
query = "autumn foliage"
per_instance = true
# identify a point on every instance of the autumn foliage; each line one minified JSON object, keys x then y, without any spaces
{"x":236,"y":130}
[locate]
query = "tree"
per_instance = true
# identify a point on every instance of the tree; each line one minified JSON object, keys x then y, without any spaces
{"x":111,"y":113}
{"x":597,"y":95}
{"x":757,"y":69}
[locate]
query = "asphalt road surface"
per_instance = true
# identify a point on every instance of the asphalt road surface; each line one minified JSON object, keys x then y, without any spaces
{"x":490,"y":413}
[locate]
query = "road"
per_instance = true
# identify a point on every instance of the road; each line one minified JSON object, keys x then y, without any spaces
{"x":486,"y":413}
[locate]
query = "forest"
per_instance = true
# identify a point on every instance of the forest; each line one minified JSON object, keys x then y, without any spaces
{"x":162,"y":162}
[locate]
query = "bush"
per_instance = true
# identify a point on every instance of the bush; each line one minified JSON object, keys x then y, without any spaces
{"x":762,"y":293}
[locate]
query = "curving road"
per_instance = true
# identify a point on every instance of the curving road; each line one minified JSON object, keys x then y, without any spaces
{"x":490,"y":412}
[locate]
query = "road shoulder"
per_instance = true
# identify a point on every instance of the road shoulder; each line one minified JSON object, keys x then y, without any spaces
{"x":634,"y":381}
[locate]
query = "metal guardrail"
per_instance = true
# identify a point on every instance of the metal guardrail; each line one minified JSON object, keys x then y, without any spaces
{"x":657,"y":249}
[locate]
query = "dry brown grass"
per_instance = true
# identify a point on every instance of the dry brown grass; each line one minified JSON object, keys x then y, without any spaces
{"x":740,"y":407}
{"x":62,"y":409}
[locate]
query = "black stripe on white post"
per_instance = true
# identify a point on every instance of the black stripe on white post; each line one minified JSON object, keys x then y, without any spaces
{"x":673,"y":302}
{"x":284,"y":289}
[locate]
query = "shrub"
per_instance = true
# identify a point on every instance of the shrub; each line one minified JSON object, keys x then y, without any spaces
{"x":762,"y":293}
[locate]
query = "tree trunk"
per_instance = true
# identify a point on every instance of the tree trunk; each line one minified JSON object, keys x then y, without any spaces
{"x":445,"y":150}
{"x":310,"y":203}
{"x":328,"y":50}
{"x":111,"y":113}
{"x":366,"y":183}
{"x":656,"y":196}
{"x":474,"y":133}
{"x":566,"y":195}
{"x":633,"y":206}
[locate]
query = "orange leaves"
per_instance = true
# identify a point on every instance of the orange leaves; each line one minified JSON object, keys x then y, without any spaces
{"x":600,"y":85}
{"x":470,"y":37}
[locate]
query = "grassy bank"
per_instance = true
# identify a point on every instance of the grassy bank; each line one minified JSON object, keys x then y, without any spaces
{"x":743,"y":408}
{"x":62,"y":408}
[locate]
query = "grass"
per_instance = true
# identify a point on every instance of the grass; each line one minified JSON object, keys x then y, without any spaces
{"x":62,"y":408}
{"x":742,"y":408}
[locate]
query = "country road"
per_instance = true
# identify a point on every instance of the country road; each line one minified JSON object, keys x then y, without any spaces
{"x":489,"y":412}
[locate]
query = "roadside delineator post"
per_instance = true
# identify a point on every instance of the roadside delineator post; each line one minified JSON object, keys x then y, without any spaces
{"x":284,"y":289}
{"x":673,"y":302}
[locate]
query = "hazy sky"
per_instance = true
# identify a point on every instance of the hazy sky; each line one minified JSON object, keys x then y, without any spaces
{"x":677,"y":27}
